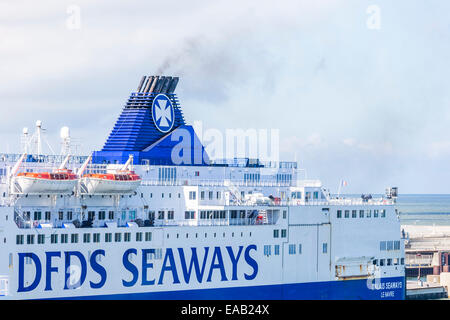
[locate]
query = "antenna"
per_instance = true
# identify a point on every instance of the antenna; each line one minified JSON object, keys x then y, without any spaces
{"x":24,"y":140}
{"x":65,"y":137}
{"x":38,"y":137}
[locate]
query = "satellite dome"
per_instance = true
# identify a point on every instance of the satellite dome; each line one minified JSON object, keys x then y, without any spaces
{"x":65,"y":133}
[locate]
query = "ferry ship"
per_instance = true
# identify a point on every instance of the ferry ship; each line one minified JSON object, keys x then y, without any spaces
{"x":132,"y":221}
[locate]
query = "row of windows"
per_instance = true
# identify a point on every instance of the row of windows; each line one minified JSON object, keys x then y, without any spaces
{"x":212,"y":214}
{"x":389,"y":262}
{"x":283,"y":177}
{"x":292,"y":249}
{"x":252,"y":177}
{"x":276,"y":233}
{"x":362,"y":213}
{"x":389,"y":245}
{"x":37,"y":215}
{"x":64,"y":238}
{"x":162,"y":195}
{"x":206,"y":235}
{"x":210,"y":195}
{"x":308,"y":195}
{"x":167,"y":174}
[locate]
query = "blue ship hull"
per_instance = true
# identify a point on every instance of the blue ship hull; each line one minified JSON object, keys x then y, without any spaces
{"x":329,"y":290}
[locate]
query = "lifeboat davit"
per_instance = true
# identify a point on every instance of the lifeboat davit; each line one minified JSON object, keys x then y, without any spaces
{"x":58,"y":181}
{"x":121,"y":182}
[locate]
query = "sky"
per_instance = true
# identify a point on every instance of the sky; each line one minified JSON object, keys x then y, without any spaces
{"x":358,"y":90}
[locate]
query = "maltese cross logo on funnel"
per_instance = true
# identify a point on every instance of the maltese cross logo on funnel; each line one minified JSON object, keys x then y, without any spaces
{"x":163,"y":113}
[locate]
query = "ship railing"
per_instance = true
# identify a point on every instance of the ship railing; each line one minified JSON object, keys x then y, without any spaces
{"x":214,"y":183}
{"x":423,"y":260}
{"x":34,"y":158}
{"x":226,"y":222}
{"x":359,"y":202}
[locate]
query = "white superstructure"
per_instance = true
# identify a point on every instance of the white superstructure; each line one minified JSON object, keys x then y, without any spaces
{"x":241,"y":230}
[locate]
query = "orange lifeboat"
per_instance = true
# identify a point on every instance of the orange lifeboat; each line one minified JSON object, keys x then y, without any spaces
{"x":121,"y":181}
{"x":58,"y":181}
{"x":107,"y":183}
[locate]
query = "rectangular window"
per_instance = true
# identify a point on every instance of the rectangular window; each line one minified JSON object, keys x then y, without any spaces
{"x":101,"y":215}
{"x":69,"y":215}
{"x":60,"y":215}
{"x":210,"y":195}
{"x":347,"y":214}
{"x":375,"y":213}
{"x":267,"y":251}
{"x":202,"y":195}
{"x":48,"y":215}
{"x":277,"y":250}
{"x":64,"y":238}
{"x":37,"y":215}
{"x":368,"y":213}
{"x":339,"y":213}
{"x":283,"y":233}
{"x":299,"y":248}
{"x":390,"y":245}
{"x":111,"y":215}
{"x":189,"y":214}
{"x":41,"y":238}
{"x":383,"y":213}
{"x":86,"y":237}
{"x":397,"y":245}
{"x":19,"y":239}
{"x":108,"y":237}
{"x":389,"y":262}
{"x":382,"y":245}
{"x":353,"y":213}
{"x":127,"y":237}
{"x":170,"y":215}
{"x":148,"y":236}
{"x":361,"y":213}
{"x":139,"y":236}
{"x":276,"y":233}
{"x":324,"y":247}
{"x":292,"y":249}
{"x":161,"y":215}
{"x":30,"y":238}
{"x":192,"y":195}
{"x":96,"y":237}
{"x":54,"y":238}
{"x":118,"y":237}
{"x":74,"y":238}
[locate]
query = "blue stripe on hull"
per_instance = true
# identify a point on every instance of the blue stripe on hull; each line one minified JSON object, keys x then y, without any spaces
{"x":330,"y":290}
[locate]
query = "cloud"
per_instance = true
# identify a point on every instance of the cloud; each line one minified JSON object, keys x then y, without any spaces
{"x":339,"y":93}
